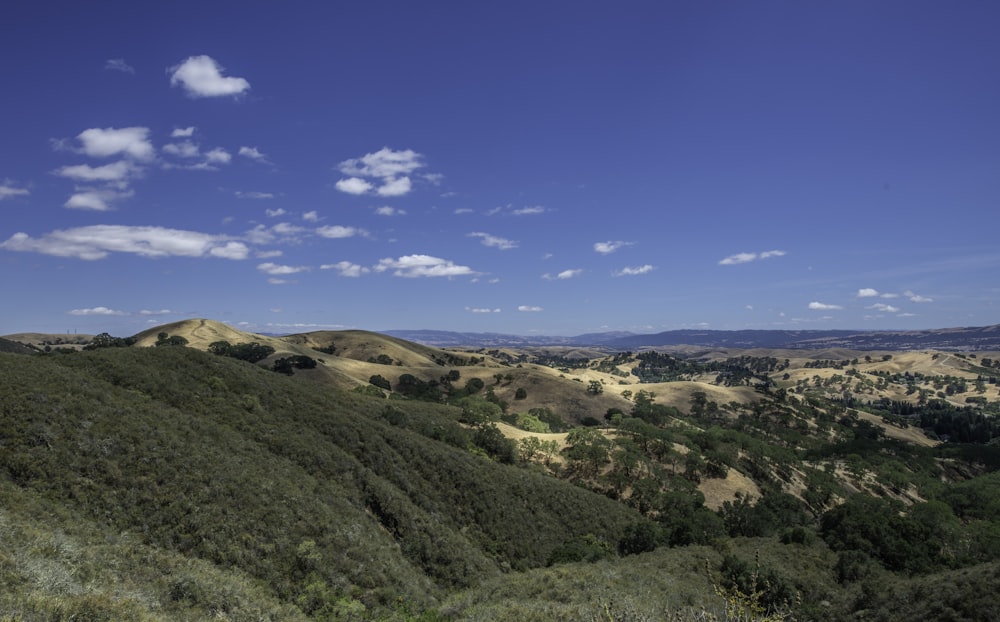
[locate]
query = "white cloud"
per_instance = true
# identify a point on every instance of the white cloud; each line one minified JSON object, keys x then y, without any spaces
{"x":254,"y":195}
{"x":463,"y":210}
{"x":338,"y":231}
{"x":481,"y":310}
{"x":353,"y":185}
{"x":96,"y":311}
{"x":253,"y":153}
{"x":867,"y":292}
{"x":230,"y":250}
{"x":114,"y":172}
{"x":529,"y":211}
{"x":201,"y":76}
{"x":739,"y":258}
{"x":494,"y":241}
{"x":183,"y":149}
{"x":182,"y":132}
{"x":917,"y":297}
{"x":95,"y":199}
{"x":565,"y":274}
{"x":279,"y":270}
{"x":883,"y":307}
{"x":390,"y":169}
{"x":346,"y":268}
{"x":521,"y":211}
{"x":412,"y":266}
{"x":395,"y":187}
{"x":385,"y":210}
{"x":822,"y":306}
{"x":633,"y":271}
{"x":98,"y":241}
{"x":312,"y":216}
{"x":7,"y":190}
{"x":609,"y":247}
{"x":218,"y":156}
{"x":287,"y":228}
{"x":105,"y":142}
{"x":268,"y":254}
{"x":119,"y":64}
{"x":384,"y":164}
{"x":529,"y":309}
{"x":274,"y":213}
{"x":158,"y":312}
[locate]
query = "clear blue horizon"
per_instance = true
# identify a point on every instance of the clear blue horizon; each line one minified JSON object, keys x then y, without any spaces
{"x":552,"y":168}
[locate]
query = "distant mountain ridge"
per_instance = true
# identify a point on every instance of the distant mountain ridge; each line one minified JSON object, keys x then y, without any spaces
{"x":949,"y":339}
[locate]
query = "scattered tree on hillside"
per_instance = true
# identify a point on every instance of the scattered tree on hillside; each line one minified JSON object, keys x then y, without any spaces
{"x":104,"y":340}
{"x":250,"y":352}
{"x":163,"y":339}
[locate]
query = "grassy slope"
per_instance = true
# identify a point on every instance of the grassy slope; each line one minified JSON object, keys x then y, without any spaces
{"x":292,"y":483}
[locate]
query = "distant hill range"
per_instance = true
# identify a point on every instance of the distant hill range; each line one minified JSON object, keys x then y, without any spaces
{"x":947,"y":339}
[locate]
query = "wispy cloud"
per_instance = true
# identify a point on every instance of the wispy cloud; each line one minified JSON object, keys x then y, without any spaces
{"x":346,"y":268}
{"x":482,"y":310}
{"x":99,"y":200}
{"x":494,"y":241}
{"x":96,"y":311}
{"x":114,"y":172}
{"x":386,"y":172}
{"x":187,"y":150}
{"x":565,"y":274}
{"x":8,"y":190}
{"x":254,"y":195}
{"x":413,"y":266}
{"x":182,"y":132}
{"x":158,"y":312}
{"x":822,"y":306}
{"x":916,"y":297}
{"x":884,"y":308}
{"x":386,"y":210}
{"x":608,"y":247}
{"x":201,"y":76}
{"x":530,"y":309}
{"x":252,"y":153}
{"x":867,"y":292}
{"x":510,"y":210}
{"x":634,"y":271}
{"x":119,"y":64}
{"x":339,"y":231}
{"x":739,"y":258}
{"x":182,"y":149}
{"x":274,"y":269}
{"x":98,"y":241}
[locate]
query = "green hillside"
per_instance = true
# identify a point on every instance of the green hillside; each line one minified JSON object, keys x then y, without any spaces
{"x":171,"y":483}
{"x":303,"y":495}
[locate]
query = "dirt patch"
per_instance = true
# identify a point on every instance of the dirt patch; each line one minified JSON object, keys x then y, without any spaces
{"x":718,"y":491}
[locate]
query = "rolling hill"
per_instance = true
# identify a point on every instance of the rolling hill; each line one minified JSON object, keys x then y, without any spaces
{"x":141,"y":480}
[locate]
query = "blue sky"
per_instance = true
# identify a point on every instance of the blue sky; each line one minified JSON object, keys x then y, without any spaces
{"x":520,"y":167}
